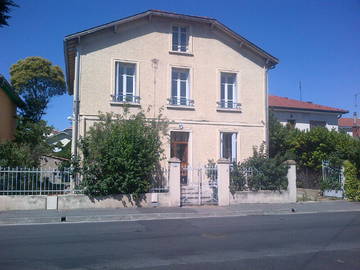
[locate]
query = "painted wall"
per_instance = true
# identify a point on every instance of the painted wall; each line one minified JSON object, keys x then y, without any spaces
{"x":303,"y":119}
{"x":7,"y":117}
{"x":211,"y":52}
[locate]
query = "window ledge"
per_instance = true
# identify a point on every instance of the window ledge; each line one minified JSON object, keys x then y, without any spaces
{"x":230,"y":110}
{"x":181,"y":53}
{"x":119,"y":103}
{"x":180,"y":107}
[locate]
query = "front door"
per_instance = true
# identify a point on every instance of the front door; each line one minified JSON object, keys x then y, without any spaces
{"x":179,"y":149}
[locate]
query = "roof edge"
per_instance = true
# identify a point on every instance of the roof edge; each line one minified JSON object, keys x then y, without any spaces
{"x":340,"y":111}
{"x":5,"y":85}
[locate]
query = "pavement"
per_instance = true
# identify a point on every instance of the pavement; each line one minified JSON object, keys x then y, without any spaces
{"x":138,"y":214}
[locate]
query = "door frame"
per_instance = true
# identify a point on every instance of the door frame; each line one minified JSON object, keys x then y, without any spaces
{"x":190,"y":152}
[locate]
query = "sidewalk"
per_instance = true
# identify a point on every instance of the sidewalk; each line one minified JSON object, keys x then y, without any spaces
{"x":135,"y":214}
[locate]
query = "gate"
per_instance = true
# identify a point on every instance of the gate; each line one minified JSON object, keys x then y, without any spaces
{"x":201,"y":187}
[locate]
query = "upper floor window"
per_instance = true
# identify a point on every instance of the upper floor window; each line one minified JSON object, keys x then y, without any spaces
{"x":228,"y":97}
{"x":125,"y":83}
{"x":180,"y":38}
{"x":180,"y":88}
{"x":314,"y":124}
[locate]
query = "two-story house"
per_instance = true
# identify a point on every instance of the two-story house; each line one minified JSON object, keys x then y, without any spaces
{"x":211,"y":82}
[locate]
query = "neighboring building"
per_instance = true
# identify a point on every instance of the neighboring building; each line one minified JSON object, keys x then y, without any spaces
{"x":210,"y":81}
{"x":304,"y":115}
{"x":56,"y":137}
{"x":350,"y":126}
{"x":9,"y":101}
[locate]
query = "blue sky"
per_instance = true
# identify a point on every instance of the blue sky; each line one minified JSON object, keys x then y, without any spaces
{"x":317,"y":42}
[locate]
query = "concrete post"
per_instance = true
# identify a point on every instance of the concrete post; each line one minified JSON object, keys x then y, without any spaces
{"x":291,"y":175}
{"x":174,"y":182}
{"x":223,"y":167}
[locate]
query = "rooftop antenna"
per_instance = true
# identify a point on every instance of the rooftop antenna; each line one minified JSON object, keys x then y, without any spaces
{"x":300,"y":91}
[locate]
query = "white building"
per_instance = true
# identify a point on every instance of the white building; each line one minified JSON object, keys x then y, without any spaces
{"x":304,"y":115}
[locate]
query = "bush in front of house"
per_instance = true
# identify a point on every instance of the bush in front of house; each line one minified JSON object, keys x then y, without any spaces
{"x":352,"y":182}
{"x":259,"y":172}
{"x":120,"y":154}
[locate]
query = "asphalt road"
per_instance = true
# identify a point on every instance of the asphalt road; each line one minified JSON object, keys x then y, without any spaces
{"x":308,"y":241}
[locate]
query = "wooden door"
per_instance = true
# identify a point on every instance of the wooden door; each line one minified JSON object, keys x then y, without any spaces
{"x":179,"y":149}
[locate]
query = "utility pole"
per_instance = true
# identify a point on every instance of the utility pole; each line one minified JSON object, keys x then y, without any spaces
{"x":300,"y":91}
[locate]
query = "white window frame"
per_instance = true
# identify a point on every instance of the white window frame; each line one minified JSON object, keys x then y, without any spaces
{"x":187,"y":45}
{"x":178,"y":85}
{"x":117,"y":75}
{"x":233,"y":145}
{"x":226,"y":100}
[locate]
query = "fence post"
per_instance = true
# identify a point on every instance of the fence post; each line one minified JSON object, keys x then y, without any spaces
{"x":174,"y":182}
{"x":291,"y":176}
{"x":223,"y":166}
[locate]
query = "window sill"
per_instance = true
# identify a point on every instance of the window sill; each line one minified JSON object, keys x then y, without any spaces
{"x":181,"y":53}
{"x":123,"y":104}
{"x":230,"y":110}
{"x":180,"y":107}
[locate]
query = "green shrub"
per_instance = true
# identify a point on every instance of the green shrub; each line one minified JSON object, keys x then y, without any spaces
{"x":352,"y":182}
{"x":260,"y":173}
{"x":120,"y":154}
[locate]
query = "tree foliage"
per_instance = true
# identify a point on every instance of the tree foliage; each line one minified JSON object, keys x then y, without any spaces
{"x":28,"y":145}
{"x":37,"y":80}
{"x":5,"y":7}
{"x":352,"y":182}
{"x":120,"y":154}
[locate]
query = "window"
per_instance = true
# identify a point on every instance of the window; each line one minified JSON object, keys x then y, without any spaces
{"x":228,"y":146}
{"x":228,"y":91}
{"x":314,"y":124}
{"x":291,"y":123}
{"x":180,"y":38}
{"x":125,"y":83}
{"x":180,"y":87}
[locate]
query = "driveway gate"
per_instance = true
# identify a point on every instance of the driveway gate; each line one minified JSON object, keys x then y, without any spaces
{"x":201,"y":187}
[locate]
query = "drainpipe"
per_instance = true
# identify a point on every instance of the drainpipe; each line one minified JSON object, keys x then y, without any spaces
{"x":266,"y":109}
{"x":76,"y":101}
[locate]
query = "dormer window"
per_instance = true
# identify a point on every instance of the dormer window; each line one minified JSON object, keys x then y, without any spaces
{"x":180,"y":38}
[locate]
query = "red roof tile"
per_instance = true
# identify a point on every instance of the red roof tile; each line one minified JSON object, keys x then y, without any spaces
{"x":347,"y":122}
{"x":284,"y":102}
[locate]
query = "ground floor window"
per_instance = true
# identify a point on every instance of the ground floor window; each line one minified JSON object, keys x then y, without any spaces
{"x":228,"y":142}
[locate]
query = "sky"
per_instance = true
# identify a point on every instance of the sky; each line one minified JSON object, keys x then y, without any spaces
{"x":316,"y":41}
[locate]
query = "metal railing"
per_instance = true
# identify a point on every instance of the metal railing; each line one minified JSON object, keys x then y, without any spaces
{"x":160,"y":181}
{"x":332,"y":176}
{"x":35,"y":181}
{"x":125,"y":98}
{"x":228,"y":104}
{"x":181,"y":101}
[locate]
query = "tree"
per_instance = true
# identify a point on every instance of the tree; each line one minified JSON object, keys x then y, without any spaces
{"x":28,"y":145}
{"x":37,"y":80}
{"x":4,"y":10}
{"x":121,"y":154}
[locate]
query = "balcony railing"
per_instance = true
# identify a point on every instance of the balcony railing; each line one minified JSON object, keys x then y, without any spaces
{"x":228,"y":104}
{"x":125,"y":98}
{"x":181,"y":101}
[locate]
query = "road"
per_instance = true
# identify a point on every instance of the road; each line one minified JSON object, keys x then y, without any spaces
{"x":307,"y":241}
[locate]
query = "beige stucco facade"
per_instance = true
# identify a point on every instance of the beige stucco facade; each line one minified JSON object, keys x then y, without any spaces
{"x":211,"y":51}
{"x":7,"y":117}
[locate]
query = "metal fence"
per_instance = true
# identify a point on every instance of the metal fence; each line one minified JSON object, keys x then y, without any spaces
{"x":35,"y":181}
{"x":160,"y":181}
{"x":332,"y":177}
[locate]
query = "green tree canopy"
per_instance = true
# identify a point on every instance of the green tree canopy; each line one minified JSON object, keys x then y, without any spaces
{"x":37,"y":80}
{"x":4,"y":11}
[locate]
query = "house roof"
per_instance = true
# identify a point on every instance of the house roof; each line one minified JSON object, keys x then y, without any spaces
{"x":7,"y":88}
{"x":71,"y":41}
{"x":277,"y":102}
{"x":347,"y":122}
